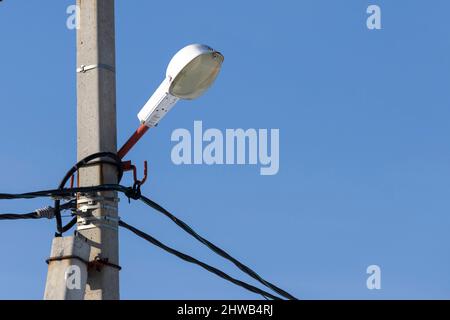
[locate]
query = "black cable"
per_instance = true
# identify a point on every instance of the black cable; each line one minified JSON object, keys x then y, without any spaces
{"x":34,"y":214}
{"x":190,"y":259}
{"x":63,"y":193}
{"x":69,"y":192}
{"x":129,"y":192}
{"x":69,"y":226}
{"x":84,"y":163}
{"x":216,"y":249}
{"x":24,"y":216}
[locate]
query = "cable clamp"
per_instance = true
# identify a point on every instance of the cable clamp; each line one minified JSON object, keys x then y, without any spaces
{"x":70,"y":257}
{"x":91,"y":203}
{"x":134,"y":192}
{"x":91,"y":222}
{"x":88,"y":208}
{"x":47,"y":212}
{"x":93,"y":199}
{"x":86,"y":220}
{"x":98,"y":263}
{"x":83,"y":68}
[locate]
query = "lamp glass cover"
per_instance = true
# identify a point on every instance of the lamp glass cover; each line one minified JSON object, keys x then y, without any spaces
{"x":197,"y":76}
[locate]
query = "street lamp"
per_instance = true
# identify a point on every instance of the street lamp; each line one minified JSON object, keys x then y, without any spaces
{"x":189,"y":74}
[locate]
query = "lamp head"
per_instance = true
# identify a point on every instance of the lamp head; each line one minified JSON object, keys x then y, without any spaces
{"x":190,"y":73}
{"x":193,"y":70}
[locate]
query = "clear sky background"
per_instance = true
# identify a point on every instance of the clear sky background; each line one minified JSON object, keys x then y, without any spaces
{"x":364,"y":144}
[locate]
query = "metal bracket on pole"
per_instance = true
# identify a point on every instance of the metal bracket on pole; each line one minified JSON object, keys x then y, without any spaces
{"x":83,"y":68}
{"x":94,"y":222}
{"x":86,"y":206}
{"x":89,"y":204}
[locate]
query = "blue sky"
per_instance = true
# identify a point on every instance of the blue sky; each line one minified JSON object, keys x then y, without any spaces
{"x":364,"y":151}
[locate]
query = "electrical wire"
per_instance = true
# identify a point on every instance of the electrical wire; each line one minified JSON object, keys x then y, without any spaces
{"x":130,"y":192}
{"x":24,"y":216}
{"x":69,"y":205}
{"x":216,"y":249}
{"x":47,"y":212}
{"x":66,"y":193}
{"x":191,"y":259}
{"x":80,"y":164}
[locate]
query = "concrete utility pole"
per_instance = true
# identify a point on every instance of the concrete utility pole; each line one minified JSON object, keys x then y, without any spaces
{"x":67,"y":269}
{"x":86,"y":266}
{"x":96,"y":100}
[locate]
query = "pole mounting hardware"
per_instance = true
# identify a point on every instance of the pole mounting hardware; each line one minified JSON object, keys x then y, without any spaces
{"x":84,"y":68}
{"x":129,"y":166}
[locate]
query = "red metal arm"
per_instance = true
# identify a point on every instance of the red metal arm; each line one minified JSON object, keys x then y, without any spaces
{"x":132,"y":141}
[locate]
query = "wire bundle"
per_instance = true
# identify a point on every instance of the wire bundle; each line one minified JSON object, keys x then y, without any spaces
{"x":133,"y":193}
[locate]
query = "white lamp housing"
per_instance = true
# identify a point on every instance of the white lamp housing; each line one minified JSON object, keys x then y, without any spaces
{"x":189,"y":74}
